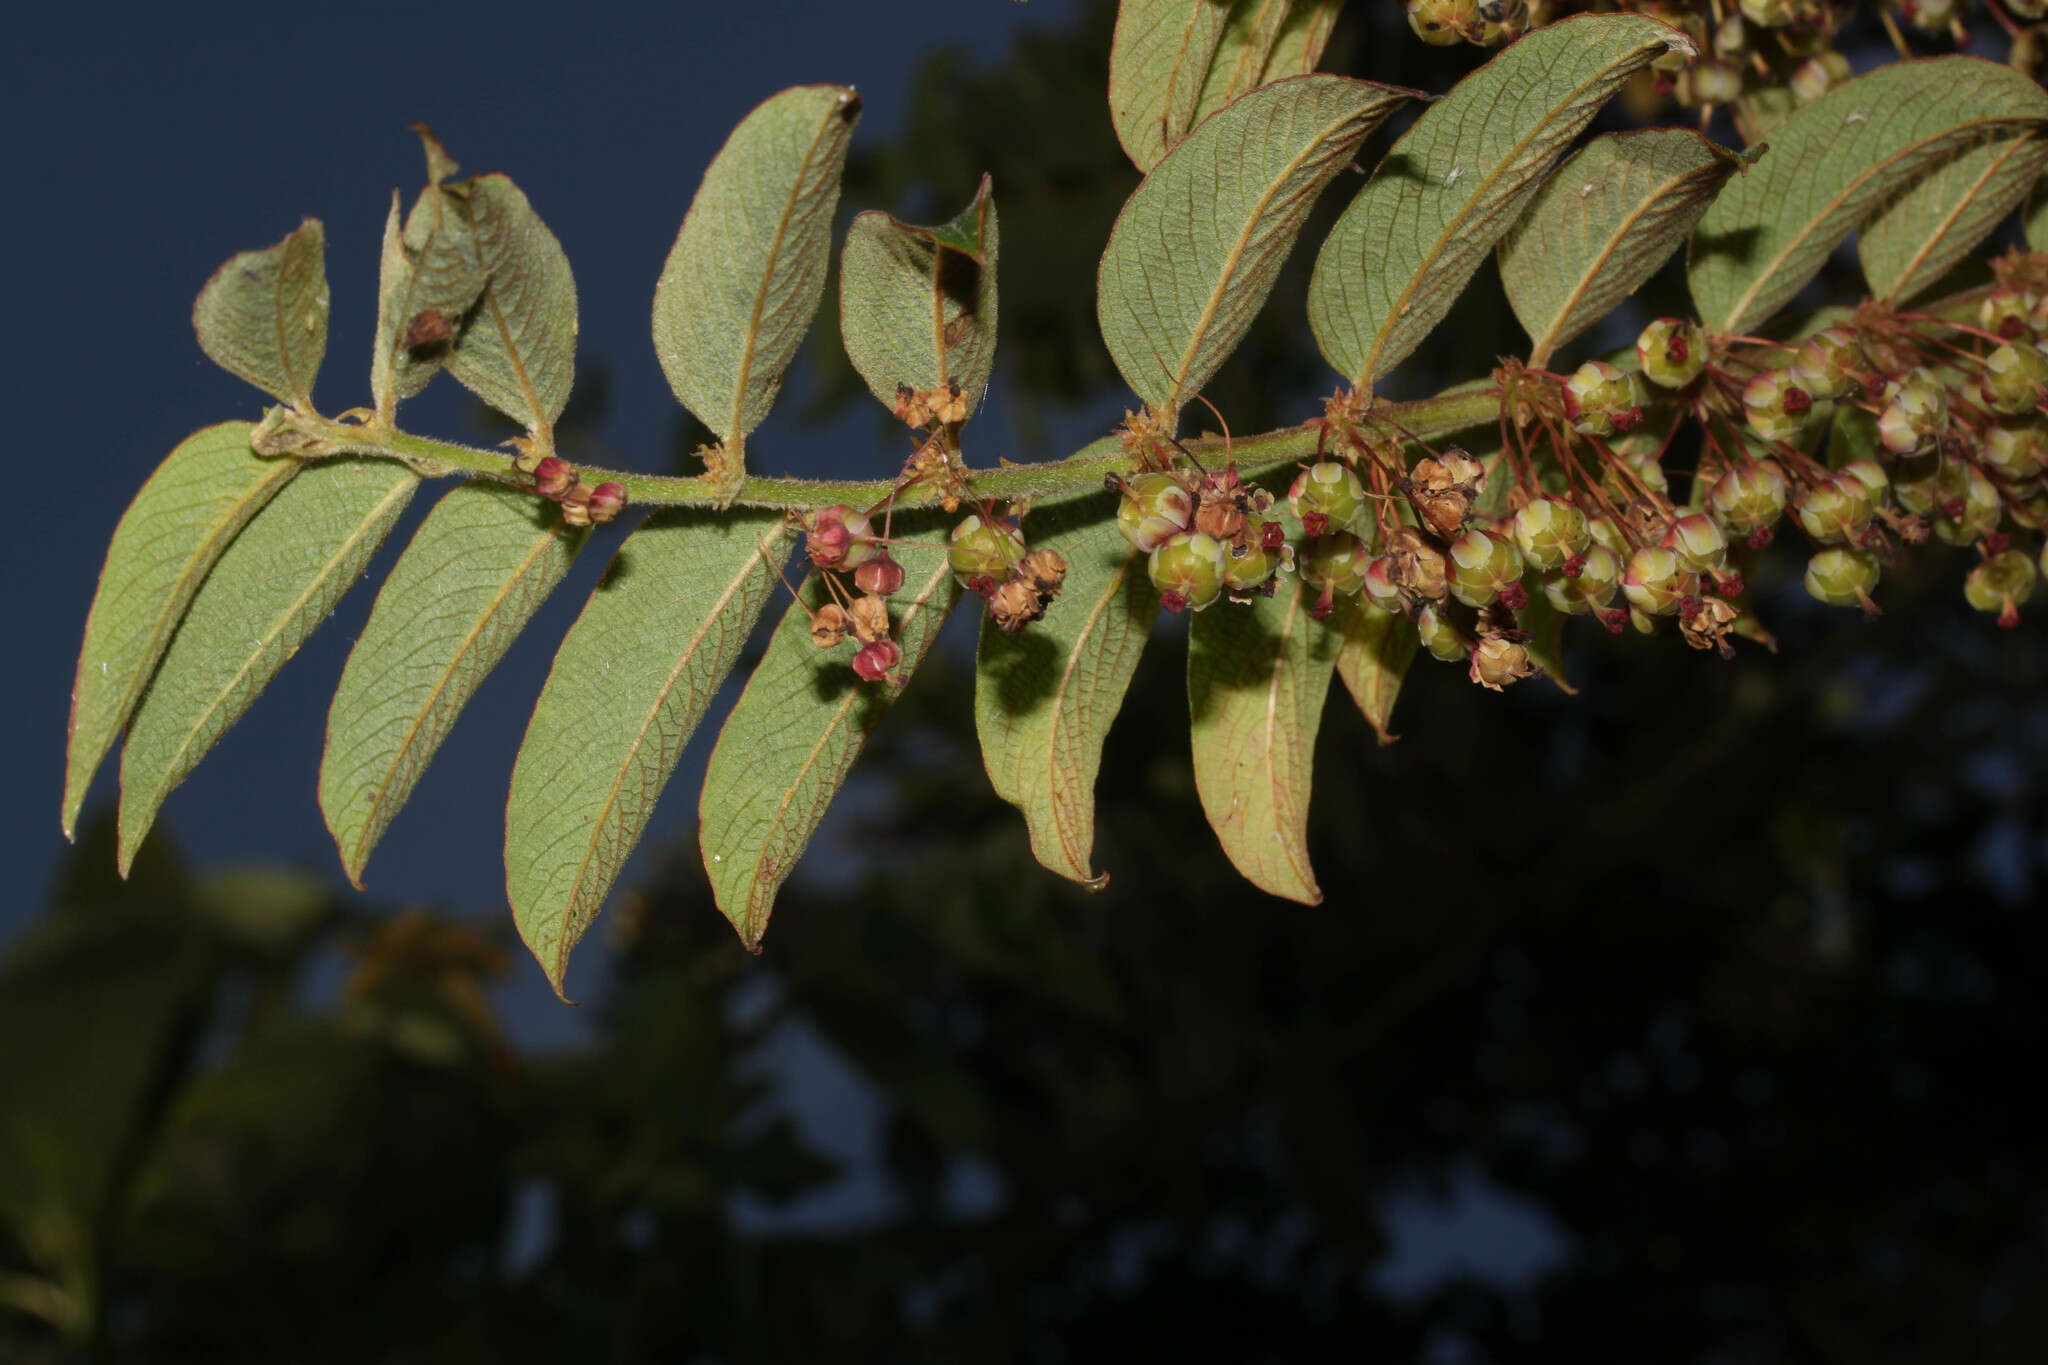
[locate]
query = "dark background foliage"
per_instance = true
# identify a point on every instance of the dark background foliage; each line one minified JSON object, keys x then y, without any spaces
{"x":1690,"y":1019}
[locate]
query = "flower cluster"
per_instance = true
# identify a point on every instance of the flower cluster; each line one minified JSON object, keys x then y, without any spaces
{"x":1205,"y":535}
{"x":582,"y":505}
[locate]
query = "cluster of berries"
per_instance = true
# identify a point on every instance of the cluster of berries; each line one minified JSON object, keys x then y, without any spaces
{"x":1487,"y":23}
{"x":582,"y":505}
{"x":991,"y":560}
{"x":1207,"y":534}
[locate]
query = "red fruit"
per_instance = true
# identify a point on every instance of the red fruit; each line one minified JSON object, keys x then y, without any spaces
{"x":875,"y":660}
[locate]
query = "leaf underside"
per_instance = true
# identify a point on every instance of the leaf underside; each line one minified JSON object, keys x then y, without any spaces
{"x":427,"y":267}
{"x":794,"y":734}
{"x":1373,"y":660}
{"x":166,"y":543}
{"x":517,"y":351}
{"x":477,"y":569}
{"x":1602,"y":224}
{"x":628,"y":687}
{"x":1912,"y":241}
{"x":1158,"y":59}
{"x":1044,"y":699}
{"x":1397,"y":260}
{"x":747,"y":269}
{"x":917,"y":305}
{"x":1196,"y":250}
{"x":1257,"y":679}
{"x":1831,"y":165}
{"x":263,"y":315}
{"x":271,"y":588}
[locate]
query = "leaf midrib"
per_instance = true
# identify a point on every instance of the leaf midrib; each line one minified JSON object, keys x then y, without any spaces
{"x":540,"y":422}
{"x":1231,"y":260}
{"x":1951,"y":132}
{"x":559,"y":967}
{"x":1273,"y":689}
{"x":1110,"y":594}
{"x":736,"y":433}
{"x":1539,"y":355}
{"x":1481,"y":192}
{"x":1963,"y":201}
{"x":381,"y":790}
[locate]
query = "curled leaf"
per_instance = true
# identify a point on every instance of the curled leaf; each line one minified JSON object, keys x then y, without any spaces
{"x":263,"y":315}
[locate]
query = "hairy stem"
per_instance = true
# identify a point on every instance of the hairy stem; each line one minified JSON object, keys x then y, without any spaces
{"x":1051,"y":481}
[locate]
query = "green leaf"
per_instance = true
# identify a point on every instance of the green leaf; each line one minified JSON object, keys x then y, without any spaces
{"x":1914,"y":240}
{"x":477,"y":569}
{"x":1545,"y":625}
{"x":1831,"y":165}
{"x":748,"y":266}
{"x":263,"y":315}
{"x":1045,"y":697}
{"x":1422,"y":226}
{"x":1602,"y":225}
{"x":1257,"y":679}
{"x":278,"y":581}
{"x":917,"y":305}
{"x":1158,"y":60}
{"x":2034,"y":219}
{"x":199,"y":497}
{"x":517,"y":352}
{"x":1238,"y":65}
{"x":629,"y":684}
{"x":1373,"y":660}
{"x":1760,"y":110}
{"x":792,"y":737}
{"x":428,"y":273}
{"x":1302,"y":39}
{"x":1178,"y":288}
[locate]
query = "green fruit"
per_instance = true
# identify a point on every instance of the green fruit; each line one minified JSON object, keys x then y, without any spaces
{"x":2002,"y":584}
{"x":1599,"y":578}
{"x":1657,"y":581}
{"x":1827,"y":364}
{"x":1842,"y":577}
{"x":1699,"y":542}
{"x":2016,"y":451}
{"x":1835,"y":511}
{"x":1152,"y":509}
{"x":2014,"y":379}
{"x":1972,"y":515}
{"x":1442,"y":636}
{"x":1673,"y":352}
{"x":1748,"y":499}
{"x":1335,"y":562}
{"x":1549,"y":531}
{"x":1915,"y":411}
{"x":1776,"y":406}
{"x":1188,"y":571}
{"x":1601,"y":400}
{"x":984,"y":554}
{"x":1482,"y":567}
{"x":1326,"y":496}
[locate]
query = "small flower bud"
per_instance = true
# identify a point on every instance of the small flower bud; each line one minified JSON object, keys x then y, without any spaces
{"x":1188,"y":571}
{"x":1482,"y":566}
{"x":1549,"y":531}
{"x":880,"y":576}
{"x":1817,"y":75}
{"x":985,"y":550}
{"x":1776,"y":406}
{"x":1249,"y":567}
{"x":1153,"y":509}
{"x":1326,"y":496}
{"x":1699,"y":542}
{"x":2015,"y":378}
{"x":1673,"y":352}
{"x":1843,"y":577}
{"x":828,"y":626}
{"x":1442,"y":23}
{"x":2016,"y":450}
{"x":1836,"y":510}
{"x":1827,"y":364}
{"x":1656,"y":580}
{"x":1600,"y":400}
{"x":607,"y":500}
{"x":1915,"y":411}
{"x":840,"y":538}
{"x":2007,"y":313}
{"x":1748,"y":498}
{"x":1498,"y":662}
{"x":1972,"y":515}
{"x":576,"y":505}
{"x":2002,"y":583}
{"x":1442,"y":636}
{"x":1598,"y":579}
{"x":874,"y":661}
{"x":1335,"y":564}
{"x":552,"y":477}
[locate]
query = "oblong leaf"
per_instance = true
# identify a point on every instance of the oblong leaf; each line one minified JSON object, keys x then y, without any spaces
{"x":477,"y":569}
{"x":1455,"y":182}
{"x":629,"y":684}
{"x":748,"y":266}
{"x":917,"y":305}
{"x":1302,"y":39}
{"x":517,"y":351}
{"x":1158,"y":58}
{"x":2034,"y":218}
{"x":792,"y":737}
{"x":1936,"y":221}
{"x":1044,"y":698}
{"x":263,"y":315}
{"x":1603,"y":223}
{"x":278,"y":581}
{"x":1831,"y":164}
{"x":1257,"y":679}
{"x":429,"y":278}
{"x":1238,"y":65}
{"x":1373,"y":660}
{"x":166,"y":543}
{"x":1196,"y":250}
